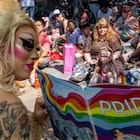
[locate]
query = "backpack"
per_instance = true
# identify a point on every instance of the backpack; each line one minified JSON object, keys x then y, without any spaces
{"x":81,"y":71}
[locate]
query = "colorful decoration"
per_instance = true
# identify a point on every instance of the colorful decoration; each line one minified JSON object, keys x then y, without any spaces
{"x":90,"y":112}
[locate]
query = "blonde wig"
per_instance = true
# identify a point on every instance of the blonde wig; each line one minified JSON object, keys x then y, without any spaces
{"x":103,"y":22}
{"x":11,"y":5}
{"x":10,"y":21}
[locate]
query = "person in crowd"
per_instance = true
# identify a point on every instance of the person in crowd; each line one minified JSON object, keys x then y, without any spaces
{"x":134,"y":5}
{"x":47,"y":28}
{"x":132,"y":57}
{"x":82,"y":66}
{"x":29,"y":7}
{"x":72,"y":32}
{"x":18,"y":45}
{"x":54,"y":32}
{"x":115,"y":15}
{"x":84,"y":16}
{"x":136,"y":54}
{"x":127,"y":26}
{"x":58,"y":29}
{"x":120,"y":3}
{"x":83,"y":41}
{"x":44,"y":43}
{"x":63,"y":22}
{"x":121,"y":136}
{"x":111,"y":4}
{"x":103,"y":36}
{"x":105,"y":71}
{"x":104,"y":10}
{"x":53,"y":22}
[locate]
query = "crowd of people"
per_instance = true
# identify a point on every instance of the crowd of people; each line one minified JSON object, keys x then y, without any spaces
{"x":109,"y":46}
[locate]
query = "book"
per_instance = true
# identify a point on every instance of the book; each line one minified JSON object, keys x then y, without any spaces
{"x":87,"y":113}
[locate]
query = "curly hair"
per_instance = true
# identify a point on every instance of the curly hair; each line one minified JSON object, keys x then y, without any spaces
{"x":103,"y":22}
{"x":10,"y":21}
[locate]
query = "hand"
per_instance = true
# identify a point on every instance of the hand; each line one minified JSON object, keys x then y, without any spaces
{"x":40,"y":111}
{"x":94,"y":61}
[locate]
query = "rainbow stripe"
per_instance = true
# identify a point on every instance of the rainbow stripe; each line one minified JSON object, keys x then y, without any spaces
{"x":123,"y":78}
{"x":81,"y":113}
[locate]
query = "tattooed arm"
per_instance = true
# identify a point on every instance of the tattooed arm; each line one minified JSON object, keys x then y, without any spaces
{"x":14,"y":122}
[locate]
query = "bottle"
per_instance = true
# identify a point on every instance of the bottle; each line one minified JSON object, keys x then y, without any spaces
{"x":36,"y":85}
{"x":128,"y":78}
{"x":132,"y":79}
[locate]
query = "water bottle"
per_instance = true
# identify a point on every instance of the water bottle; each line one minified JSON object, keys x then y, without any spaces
{"x":128,"y":78}
{"x":132,"y":79}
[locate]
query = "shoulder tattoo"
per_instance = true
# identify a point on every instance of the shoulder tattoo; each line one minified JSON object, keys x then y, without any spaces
{"x":13,"y":121}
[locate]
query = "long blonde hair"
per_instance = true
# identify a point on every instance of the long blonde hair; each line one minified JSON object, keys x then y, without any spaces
{"x":103,"y":22}
{"x":10,"y":21}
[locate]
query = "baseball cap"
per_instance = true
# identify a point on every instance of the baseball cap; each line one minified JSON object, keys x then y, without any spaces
{"x":56,"y":12}
{"x":51,"y":15}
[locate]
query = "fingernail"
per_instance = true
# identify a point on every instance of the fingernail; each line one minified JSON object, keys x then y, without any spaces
{"x":45,"y":110}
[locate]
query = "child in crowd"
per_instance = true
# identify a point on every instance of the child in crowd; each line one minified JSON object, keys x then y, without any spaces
{"x":105,"y":71}
{"x":83,"y":41}
{"x":72,"y":32}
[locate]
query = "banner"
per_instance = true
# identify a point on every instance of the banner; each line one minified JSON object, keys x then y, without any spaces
{"x":96,"y":112}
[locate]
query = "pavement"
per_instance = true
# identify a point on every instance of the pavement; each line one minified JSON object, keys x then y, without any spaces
{"x":29,"y":94}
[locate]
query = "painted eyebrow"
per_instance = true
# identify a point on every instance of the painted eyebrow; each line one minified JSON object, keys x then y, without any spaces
{"x":29,"y":34}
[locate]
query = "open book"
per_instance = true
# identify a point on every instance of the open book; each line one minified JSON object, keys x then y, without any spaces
{"x":89,"y":113}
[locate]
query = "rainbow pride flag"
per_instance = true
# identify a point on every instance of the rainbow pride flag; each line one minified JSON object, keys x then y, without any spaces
{"x":90,"y":113}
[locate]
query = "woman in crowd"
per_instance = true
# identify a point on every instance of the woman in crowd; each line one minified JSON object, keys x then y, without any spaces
{"x":127,"y":26}
{"x":18,"y":48}
{"x":105,"y":36}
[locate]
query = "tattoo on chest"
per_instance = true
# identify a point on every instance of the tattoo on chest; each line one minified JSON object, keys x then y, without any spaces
{"x":13,"y":121}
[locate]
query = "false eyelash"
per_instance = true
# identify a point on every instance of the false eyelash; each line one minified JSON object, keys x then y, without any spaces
{"x":27,"y":44}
